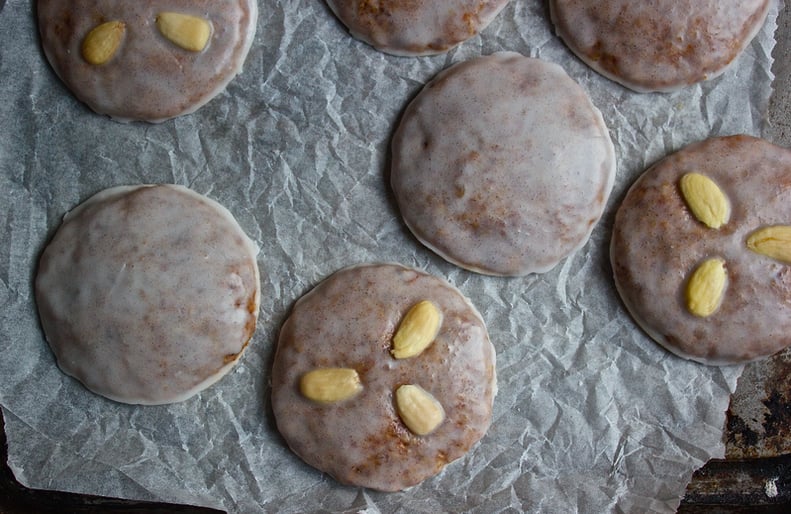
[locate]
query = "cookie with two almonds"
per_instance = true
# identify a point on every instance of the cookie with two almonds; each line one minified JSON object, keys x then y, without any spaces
{"x":147,"y":60}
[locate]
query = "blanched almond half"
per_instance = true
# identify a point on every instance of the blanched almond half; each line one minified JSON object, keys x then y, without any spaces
{"x":419,"y":411}
{"x":187,"y":31}
{"x":417,"y":330}
{"x":329,"y":385}
{"x":773,"y":241}
{"x":102,"y":42}
{"x":706,"y":287}
{"x":705,"y":199}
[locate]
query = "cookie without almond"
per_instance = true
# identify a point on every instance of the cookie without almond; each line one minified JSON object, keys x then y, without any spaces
{"x":415,"y":27}
{"x":502,"y":165}
{"x":661,"y":45}
{"x":148,"y":294}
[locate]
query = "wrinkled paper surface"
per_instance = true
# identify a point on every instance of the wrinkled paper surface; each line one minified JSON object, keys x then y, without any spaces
{"x":592,"y":416}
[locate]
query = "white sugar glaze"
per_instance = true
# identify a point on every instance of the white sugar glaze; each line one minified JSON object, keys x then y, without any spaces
{"x":148,"y":294}
{"x":657,"y":242}
{"x":502,"y":165}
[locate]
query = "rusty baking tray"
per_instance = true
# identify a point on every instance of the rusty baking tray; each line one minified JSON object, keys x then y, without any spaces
{"x":756,"y":471}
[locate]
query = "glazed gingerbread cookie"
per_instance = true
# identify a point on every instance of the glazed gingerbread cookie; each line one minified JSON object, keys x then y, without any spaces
{"x":701,"y":250}
{"x":417,"y":27}
{"x":661,"y":45}
{"x":146,"y":60}
{"x":502,"y":165}
{"x":148,"y":294}
{"x":382,"y":376}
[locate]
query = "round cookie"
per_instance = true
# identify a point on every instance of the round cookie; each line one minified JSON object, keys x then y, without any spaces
{"x":502,"y":165}
{"x":691,"y":256}
{"x":662,"y":45}
{"x":364,"y":437}
{"x":148,"y":294}
{"x":146,"y":60}
{"x":417,"y":27}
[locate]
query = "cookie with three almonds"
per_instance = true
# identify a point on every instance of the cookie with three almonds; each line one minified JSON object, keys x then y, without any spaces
{"x":148,"y":294}
{"x":662,"y":45}
{"x":502,"y":165}
{"x":701,"y":250}
{"x":383,"y":375}
{"x":417,"y":27}
{"x":147,"y":60}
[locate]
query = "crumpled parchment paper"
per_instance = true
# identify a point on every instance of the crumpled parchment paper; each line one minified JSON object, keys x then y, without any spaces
{"x":592,"y":416}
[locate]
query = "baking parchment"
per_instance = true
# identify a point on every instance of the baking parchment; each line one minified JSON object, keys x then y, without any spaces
{"x":592,"y":416}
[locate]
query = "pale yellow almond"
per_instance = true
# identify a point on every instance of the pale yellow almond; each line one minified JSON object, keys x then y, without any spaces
{"x":705,"y":199}
{"x":102,"y":42}
{"x":419,"y":411}
{"x":187,"y":31}
{"x":706,"y":287}
{"x":773,"y":241}
{"x":329,"y":385}
{"x":417,"y":330}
